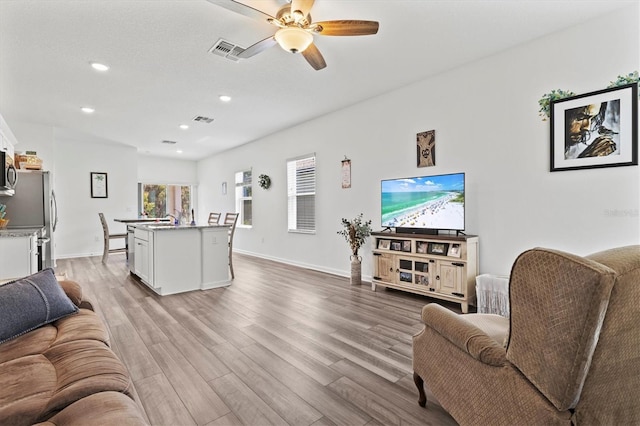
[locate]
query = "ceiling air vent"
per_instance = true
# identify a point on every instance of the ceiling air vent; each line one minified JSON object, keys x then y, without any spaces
{"x":170,"y":142}
{"x":226,"y":49}
{"x":202,"y":119}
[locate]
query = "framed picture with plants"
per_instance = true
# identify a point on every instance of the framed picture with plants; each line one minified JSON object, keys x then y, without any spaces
{"x":99,"y":188}
{"x":597,"y":129}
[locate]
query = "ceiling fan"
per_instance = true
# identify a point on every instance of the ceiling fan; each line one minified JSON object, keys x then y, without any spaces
{"x":296,"y":29}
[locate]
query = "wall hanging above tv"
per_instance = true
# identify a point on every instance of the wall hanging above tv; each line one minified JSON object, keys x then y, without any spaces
{"x":424,"y":204}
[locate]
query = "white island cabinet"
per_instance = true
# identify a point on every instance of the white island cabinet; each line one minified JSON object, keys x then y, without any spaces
{"x":174,"y":259}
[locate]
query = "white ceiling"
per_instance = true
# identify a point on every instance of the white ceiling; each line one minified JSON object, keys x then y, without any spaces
{"x":162,"y":74}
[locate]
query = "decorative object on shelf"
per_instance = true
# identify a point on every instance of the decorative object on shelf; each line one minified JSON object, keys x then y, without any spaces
{"x":426,"y":144}
{"x":454,"y":250}
{"x":224,"y":188}
{"x":28,"y":161}
{"x":547,"y":98}
{"x":594,"y":130}
{"x":622,"y":80}
{"x":3,"y":222}
{"x":355,"y":232}
{"x":346,"y":173}
{"x":99,"y":185}
{"x":264,"y":181}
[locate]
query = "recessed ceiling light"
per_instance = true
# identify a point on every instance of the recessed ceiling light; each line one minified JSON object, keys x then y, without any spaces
{"x":87,"y":110}
{"x":179,"y":151}
{"x":225,"y":98}
{"x":99,"y":67}
{"x":184,"y":126}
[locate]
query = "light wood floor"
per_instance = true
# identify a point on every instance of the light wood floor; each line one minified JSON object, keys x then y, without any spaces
{"x":281,"y":345}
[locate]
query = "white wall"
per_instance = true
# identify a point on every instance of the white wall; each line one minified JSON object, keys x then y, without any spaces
{"x":486,"y":119}
{"x":166,"y":170}
{"x":79,"y":231}
{"x":71,"y":159}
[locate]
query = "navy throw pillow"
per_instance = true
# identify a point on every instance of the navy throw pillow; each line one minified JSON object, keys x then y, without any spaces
{"x":31,"y":302}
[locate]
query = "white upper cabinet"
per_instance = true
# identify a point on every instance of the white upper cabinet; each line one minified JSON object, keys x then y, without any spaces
{"x":7,"y":139}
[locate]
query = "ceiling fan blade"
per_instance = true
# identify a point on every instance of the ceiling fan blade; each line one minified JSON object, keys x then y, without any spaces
{"x":314,"y":57}
{"x":347,"y":28}
{"x":258,"y":47}
{"x":242,"y":9}
{"x":303,"y":6}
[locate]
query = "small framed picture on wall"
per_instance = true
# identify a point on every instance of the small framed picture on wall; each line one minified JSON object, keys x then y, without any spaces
{"x":99,"y":188}
{"x":426,"y":145}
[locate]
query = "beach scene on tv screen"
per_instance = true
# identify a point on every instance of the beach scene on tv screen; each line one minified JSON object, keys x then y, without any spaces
{"x":435,"y":202}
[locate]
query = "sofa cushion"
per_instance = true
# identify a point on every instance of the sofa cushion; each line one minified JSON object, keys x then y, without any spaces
{"x":84,"y":367}
{"x":26,"y":384}
{"x":32,"y":302}
{"x":85,"y":325}
{"x":73,"y":290}
{"x":32,"y":343}
{"x":104,"y":408}
{"x":34,"y":387}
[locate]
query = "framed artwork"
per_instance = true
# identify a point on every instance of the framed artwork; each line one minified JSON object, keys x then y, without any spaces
{"x":406,"y":246}
{"x":346,"y":173}
{"x":438,"y":248}
{"x":454,"y":250}
{"x":422,"y":279}
{"x":405,"y":276}
{"x":383,"y":244}
{"x":421,"y":247}
{"x":426,"y":145}
{"x":99,"y":185}
{"x":594,"y":130}
{"x":396,"y":245}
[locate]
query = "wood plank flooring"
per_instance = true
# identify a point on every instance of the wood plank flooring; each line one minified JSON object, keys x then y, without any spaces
{"x":280,"y":346}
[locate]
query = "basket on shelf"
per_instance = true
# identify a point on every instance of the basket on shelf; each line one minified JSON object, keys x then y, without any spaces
{"x":28,"y":162}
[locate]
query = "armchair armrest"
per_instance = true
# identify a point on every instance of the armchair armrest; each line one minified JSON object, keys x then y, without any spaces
{"x":464,"y":335}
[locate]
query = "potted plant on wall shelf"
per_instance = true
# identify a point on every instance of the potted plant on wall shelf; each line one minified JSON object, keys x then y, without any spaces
{"x":355,"y":232}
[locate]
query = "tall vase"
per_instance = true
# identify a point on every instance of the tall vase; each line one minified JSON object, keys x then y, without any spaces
{"x":356,"y":270}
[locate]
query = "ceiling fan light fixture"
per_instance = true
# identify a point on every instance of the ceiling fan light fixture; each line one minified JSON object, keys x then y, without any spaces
{"x":293,"y":39}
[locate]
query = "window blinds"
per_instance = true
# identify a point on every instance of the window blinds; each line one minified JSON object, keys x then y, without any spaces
{"x":301,"y":193}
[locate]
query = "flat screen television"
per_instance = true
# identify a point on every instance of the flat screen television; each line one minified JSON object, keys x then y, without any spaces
{"x":424,"y":204}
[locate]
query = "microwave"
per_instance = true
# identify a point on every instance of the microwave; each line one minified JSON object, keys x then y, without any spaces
{"x":8,"y":176}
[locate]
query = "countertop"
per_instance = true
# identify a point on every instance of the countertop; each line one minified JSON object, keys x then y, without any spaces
{"x":169,"y":227}
{"x":18,"y":232}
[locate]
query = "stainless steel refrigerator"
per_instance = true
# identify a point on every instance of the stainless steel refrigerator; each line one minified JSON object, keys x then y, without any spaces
{"x":34,"y":206}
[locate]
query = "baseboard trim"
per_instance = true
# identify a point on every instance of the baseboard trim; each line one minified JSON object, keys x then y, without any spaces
{"x":338,"y":272}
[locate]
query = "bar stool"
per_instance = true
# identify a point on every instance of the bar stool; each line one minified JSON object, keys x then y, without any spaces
{"x":107,"y":239}
{"x":231,"y":219}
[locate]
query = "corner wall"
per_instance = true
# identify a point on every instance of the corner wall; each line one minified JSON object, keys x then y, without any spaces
{"x":486,"y":119}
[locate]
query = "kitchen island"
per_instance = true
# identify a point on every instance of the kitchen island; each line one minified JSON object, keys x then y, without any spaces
{"x":173,"y":259}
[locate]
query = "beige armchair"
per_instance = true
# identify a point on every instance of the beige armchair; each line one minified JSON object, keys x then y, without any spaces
{"x":572,"y":354}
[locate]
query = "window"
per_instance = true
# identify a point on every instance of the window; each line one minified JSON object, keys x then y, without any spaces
{"x":244,"y":197}
{"x":161,"y":200}
{"x":301,"y":192}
